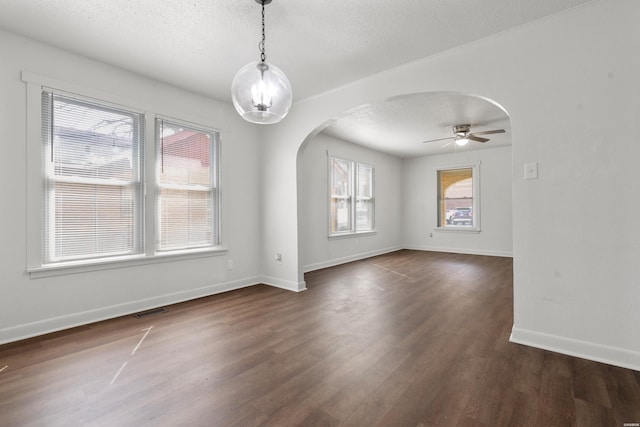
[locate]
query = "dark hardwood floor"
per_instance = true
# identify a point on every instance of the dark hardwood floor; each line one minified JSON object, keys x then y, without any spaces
{"x":405,"y":339}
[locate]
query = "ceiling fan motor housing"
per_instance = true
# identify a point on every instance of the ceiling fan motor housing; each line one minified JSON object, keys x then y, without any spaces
{"x":461,"y":130}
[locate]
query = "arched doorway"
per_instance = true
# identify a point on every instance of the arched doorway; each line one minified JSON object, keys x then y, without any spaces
{"x":394,"y":129}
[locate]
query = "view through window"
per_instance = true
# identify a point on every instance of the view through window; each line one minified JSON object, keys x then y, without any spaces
{"x":455,"y":198}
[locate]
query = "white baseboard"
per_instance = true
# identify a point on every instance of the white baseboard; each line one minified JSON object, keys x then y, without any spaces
{"x":284,"y":284}
{"x":41,"y":327}
{"x":460,"y":251}
{"x":582,"y":349}
{"x":350,"y":258}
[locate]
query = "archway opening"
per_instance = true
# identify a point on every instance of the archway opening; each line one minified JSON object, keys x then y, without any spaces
{"x":389,"y":134}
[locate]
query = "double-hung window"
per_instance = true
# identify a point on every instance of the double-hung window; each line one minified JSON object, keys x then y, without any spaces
{"x":93,"y":193}
{"x":458,"y":198}
{"x":352,"y":202}
{"x":187,"y":208}
{"x":111,"y":185}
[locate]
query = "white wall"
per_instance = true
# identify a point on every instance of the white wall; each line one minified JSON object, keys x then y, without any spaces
{"x":420,"y":207}
{"x":33,"y":306}
{"x":318,"y":250}
{"x":569,"y":84}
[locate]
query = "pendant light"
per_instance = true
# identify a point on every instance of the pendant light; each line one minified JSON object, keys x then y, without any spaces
{"x":260,"y":91}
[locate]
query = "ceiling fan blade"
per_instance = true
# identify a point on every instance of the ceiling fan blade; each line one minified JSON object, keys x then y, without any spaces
{"x":448,"y":143}
{"x":488,"y":132}
{"x":472,"y":137}
{"x":439,"y":139}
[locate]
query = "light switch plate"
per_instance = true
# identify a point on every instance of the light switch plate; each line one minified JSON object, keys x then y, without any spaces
{"x":531,"y":170}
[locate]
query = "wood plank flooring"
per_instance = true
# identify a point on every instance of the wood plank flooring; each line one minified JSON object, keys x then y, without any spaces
{"x":405,"y":339}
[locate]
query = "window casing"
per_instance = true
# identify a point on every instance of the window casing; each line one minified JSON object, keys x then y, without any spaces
{"x":94,"y":185}
{"x":458,"y":198}
{"x":352,"y":201}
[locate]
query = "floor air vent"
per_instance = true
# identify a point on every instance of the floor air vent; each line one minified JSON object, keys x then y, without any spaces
{"x":151,"y":312}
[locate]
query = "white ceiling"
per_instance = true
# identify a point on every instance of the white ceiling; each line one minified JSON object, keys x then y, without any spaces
{"x":199,"y":45}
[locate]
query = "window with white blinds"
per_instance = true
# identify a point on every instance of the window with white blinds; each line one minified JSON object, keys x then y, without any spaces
{"x":92,"y":168}
{"x":101,"y":200}
{"x":187,"y":196}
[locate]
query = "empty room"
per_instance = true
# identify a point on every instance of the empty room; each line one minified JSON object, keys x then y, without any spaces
{"x":282,"y":213}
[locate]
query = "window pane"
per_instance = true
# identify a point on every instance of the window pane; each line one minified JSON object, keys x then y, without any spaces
{"x":91,"y":219}
{"x":365,"y":181}
{"x":340,"y":196}
{"x":186,"y":219}
{"x":187,"y":196}
{"x":364,"y":215}
{"x":364,"y":202}
{"x":185,"y":156}
{"x":93,"y":198}
{"x":348,"y":213}
{"x":340,"y":177}
{"x":340,"y":215}
{"x":455,"y":191}
{"x":89,"y":141}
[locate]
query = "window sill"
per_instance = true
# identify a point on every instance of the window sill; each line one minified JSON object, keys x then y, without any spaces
{"x":64,"y":268}
{"x":454,"y":229}
{"x":352,"y":234}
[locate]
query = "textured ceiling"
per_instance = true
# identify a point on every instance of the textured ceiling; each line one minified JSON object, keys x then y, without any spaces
{"x":199,"y":45}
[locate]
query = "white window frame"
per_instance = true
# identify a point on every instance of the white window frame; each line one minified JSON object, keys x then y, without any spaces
{"x":475,"y":177}
{"x":135,"y":184}
{"x":36,"y":267}
{"x":214,"y":188}
{"x":352,"y":198}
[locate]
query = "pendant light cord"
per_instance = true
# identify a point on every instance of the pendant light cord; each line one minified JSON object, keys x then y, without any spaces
{"x":263,"y":56}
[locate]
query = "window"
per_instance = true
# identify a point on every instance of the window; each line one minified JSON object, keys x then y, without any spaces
{"x":458,"y":198}
{"x":364,"y":197}
{"x":352,"y":203}
{"x":187,"y":187}
{"x":93,"y":198}
{"x":110,"y":185}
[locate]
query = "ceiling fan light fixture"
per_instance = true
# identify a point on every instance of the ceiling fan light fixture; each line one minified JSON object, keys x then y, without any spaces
{"x":261,"y":92}
{"x":462,"y":135}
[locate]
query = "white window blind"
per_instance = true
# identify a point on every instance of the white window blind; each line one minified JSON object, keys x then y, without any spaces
{"x":188,"y":196}
{"x":93,"y":198}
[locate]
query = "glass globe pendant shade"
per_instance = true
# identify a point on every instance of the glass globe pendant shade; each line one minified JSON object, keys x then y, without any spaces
{"x":261,"y":93}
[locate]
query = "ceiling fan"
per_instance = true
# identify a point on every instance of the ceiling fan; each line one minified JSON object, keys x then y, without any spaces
{"x":462,"y":135}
